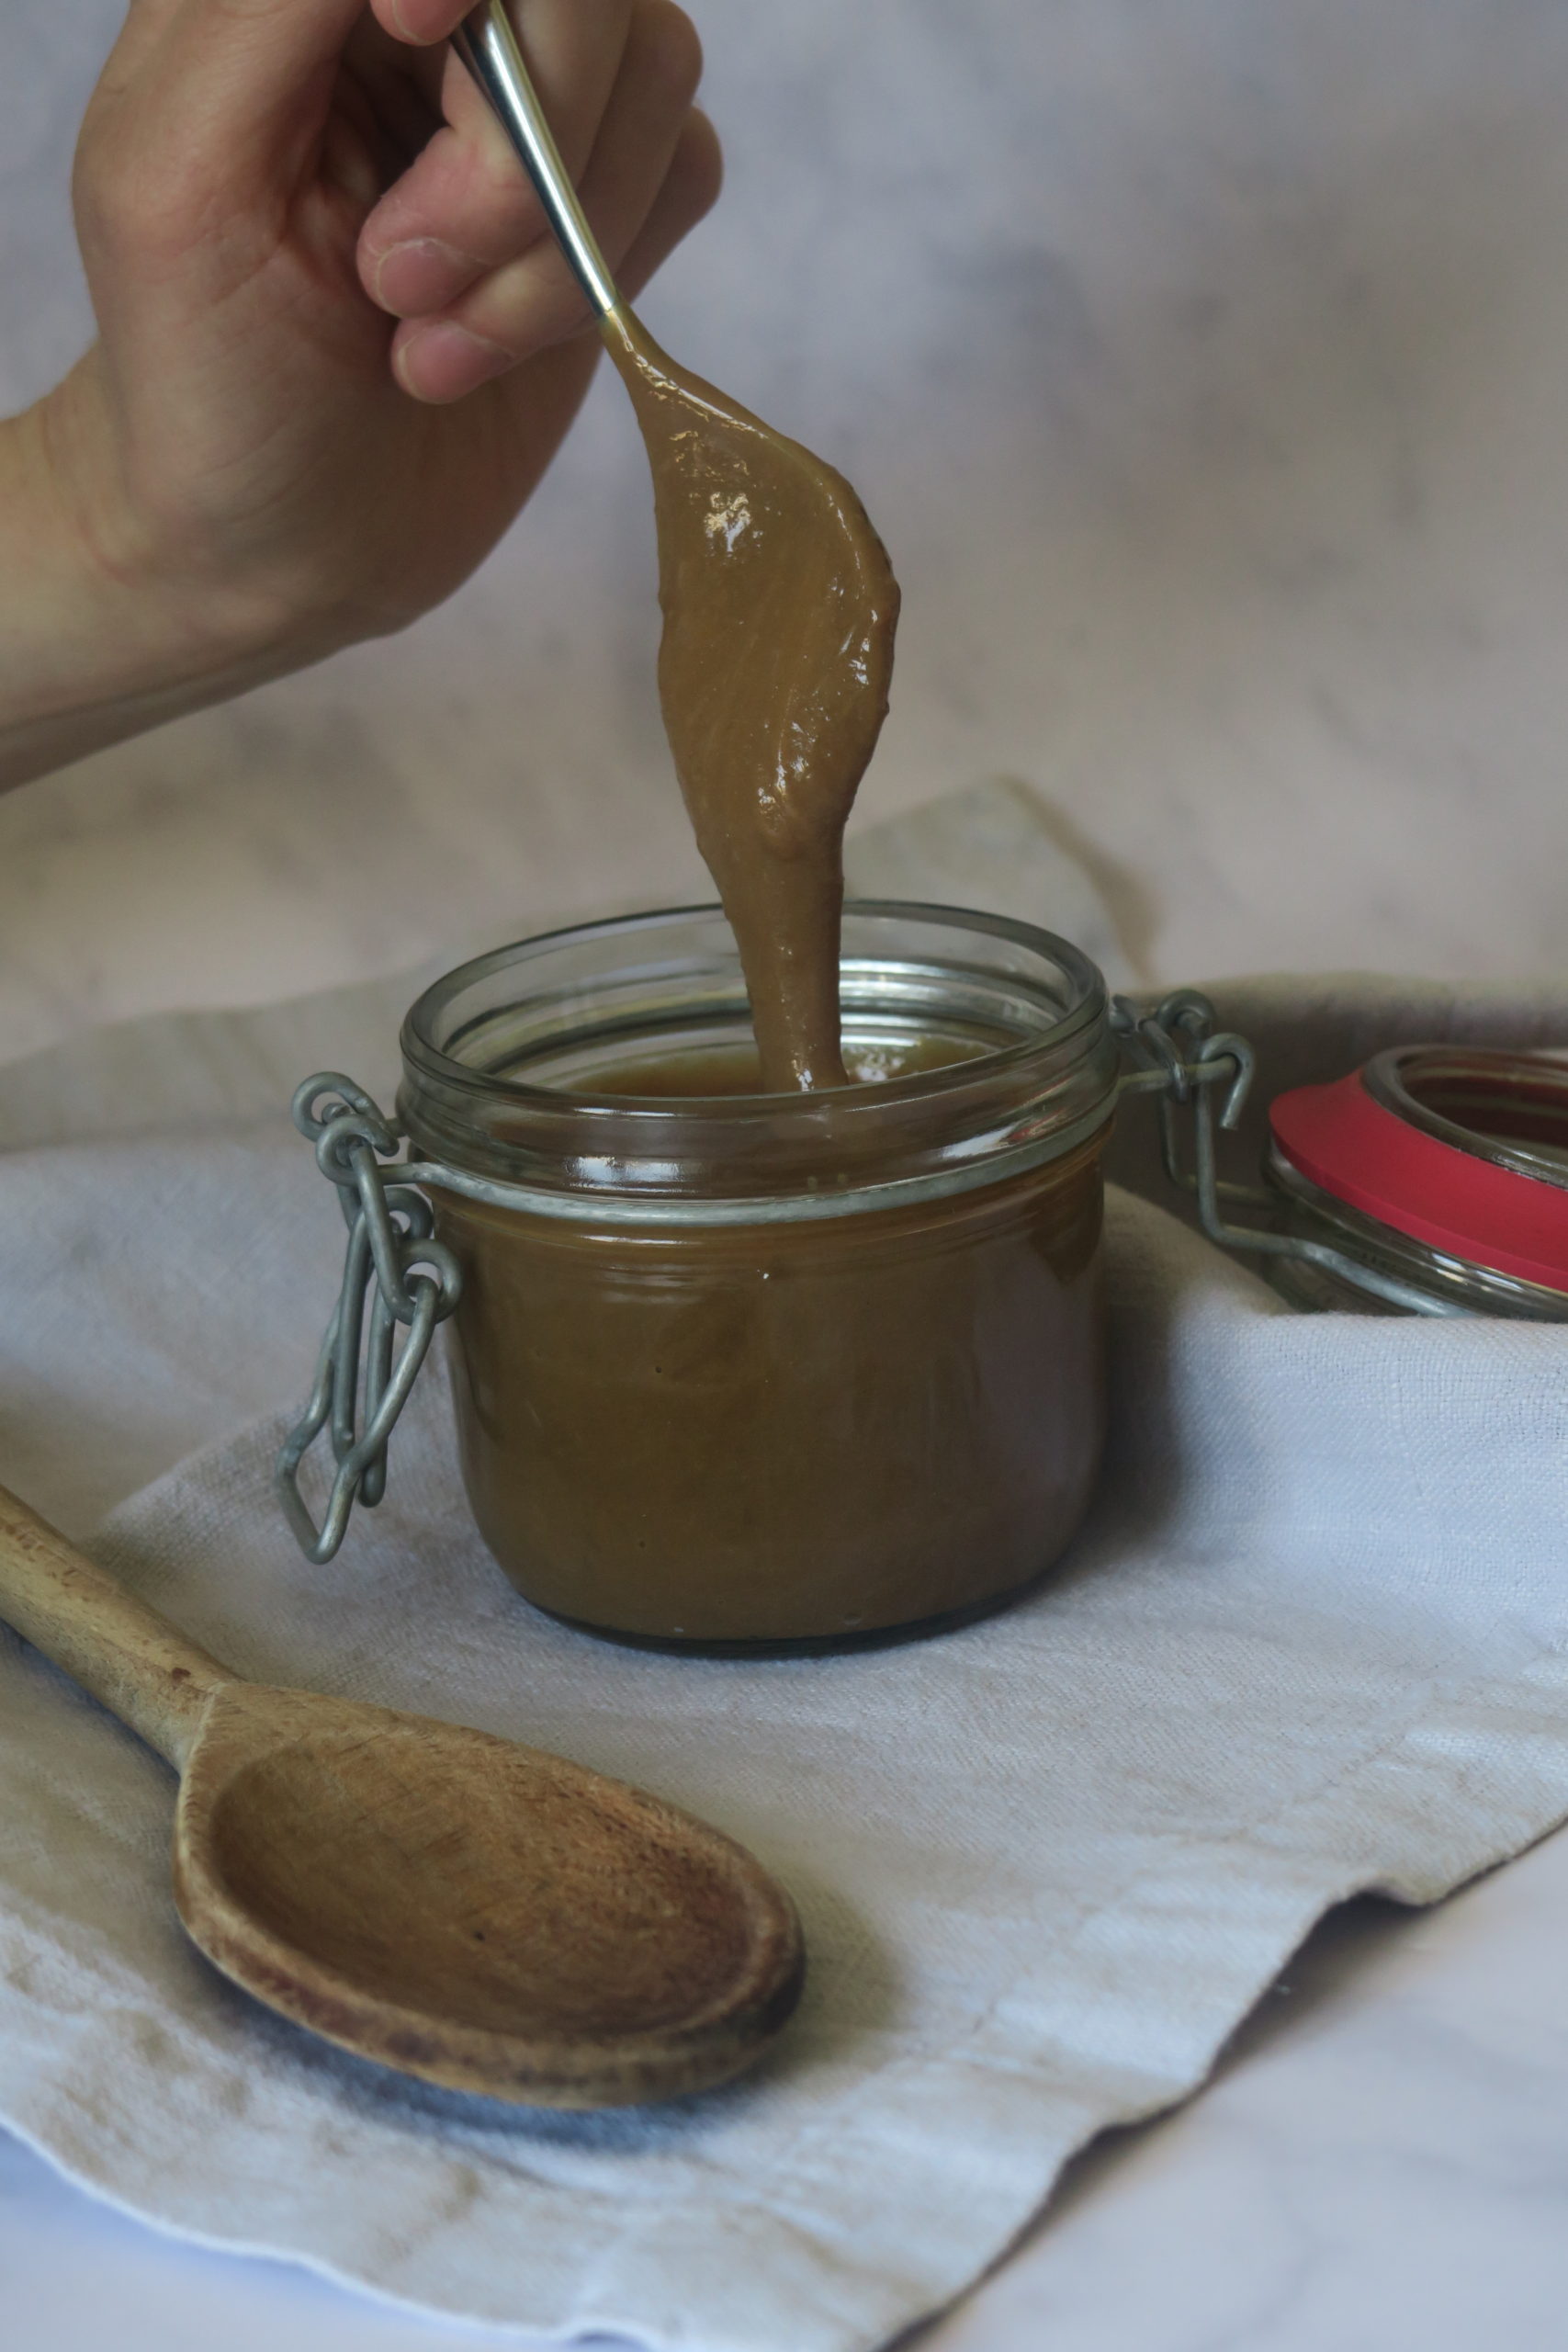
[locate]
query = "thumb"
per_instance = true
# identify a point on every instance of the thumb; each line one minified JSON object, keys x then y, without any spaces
{"x":239,"y":87}
{"x":422,"y":21}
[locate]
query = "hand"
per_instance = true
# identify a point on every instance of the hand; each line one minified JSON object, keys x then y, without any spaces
{"x":337,"y":344}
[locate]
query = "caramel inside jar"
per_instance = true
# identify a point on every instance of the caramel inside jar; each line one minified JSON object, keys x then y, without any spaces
{"x":764,"y":1434}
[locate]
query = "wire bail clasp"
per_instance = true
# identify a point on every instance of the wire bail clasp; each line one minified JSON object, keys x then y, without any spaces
{"x":1181,"y":1056}
{"x":363,"y":1380}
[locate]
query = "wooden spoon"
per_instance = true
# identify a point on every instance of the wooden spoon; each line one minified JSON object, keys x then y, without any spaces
{"x":482,"y":1915}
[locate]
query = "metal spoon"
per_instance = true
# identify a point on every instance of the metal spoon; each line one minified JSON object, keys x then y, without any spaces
{"x":489,"y":48}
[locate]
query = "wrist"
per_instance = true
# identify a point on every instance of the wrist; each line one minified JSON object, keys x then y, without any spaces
{"x":103,"y":632}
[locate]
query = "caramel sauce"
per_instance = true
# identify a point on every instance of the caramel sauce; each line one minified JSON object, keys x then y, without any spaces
{"x":696,"y":1073}
{"x":799,"y":1428}
{"x":779,"y":606}
{"x":783,"y":1433}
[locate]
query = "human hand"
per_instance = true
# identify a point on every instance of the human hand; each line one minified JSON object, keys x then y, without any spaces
{"x":337,"y":345}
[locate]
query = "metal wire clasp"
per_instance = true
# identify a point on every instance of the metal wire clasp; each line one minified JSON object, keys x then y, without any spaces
{"x":1179,"y":1056}
{"x":362,"y":1379}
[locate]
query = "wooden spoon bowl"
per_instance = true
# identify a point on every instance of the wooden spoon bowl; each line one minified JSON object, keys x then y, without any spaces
{"x":482,"y":1915}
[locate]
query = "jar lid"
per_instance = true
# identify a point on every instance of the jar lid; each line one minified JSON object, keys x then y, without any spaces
{"x":1461,"y":1147}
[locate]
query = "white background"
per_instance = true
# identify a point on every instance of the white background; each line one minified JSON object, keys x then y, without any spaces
{"x":1202,"y":363}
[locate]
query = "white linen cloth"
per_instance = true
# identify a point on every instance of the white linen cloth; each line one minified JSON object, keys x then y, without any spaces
{"x":1312,"y":1642}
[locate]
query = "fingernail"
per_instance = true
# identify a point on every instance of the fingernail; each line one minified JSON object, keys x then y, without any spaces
{"x":419,"y":273}
{"x":401,"y":25}
{"x":444,"y":360}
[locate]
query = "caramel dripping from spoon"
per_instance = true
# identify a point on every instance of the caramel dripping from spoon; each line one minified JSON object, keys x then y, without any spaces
{"x":780,"y":607}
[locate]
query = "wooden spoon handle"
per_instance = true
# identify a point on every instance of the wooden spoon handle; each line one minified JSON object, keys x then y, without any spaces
{"x":114,"y":1645}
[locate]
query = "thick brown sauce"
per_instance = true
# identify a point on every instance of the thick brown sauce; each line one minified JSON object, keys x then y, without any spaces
{"x":777,"y":1431}
{"x":783,"y":1432}
{"x":779,"y":606}
{"x":697,"y":1072}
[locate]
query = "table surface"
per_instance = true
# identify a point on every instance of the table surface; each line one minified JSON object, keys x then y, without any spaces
{"x":1382,"y":2161}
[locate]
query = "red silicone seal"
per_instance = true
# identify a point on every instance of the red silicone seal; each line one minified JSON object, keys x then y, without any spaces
{"x":1359,"y":1151}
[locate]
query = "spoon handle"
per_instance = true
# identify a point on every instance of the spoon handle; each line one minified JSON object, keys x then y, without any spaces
{"x":490,"y":48}
{"x":142,"y":1669}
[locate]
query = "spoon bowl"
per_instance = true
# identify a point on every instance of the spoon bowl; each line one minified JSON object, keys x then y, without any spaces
{"x":483,"y":1914}
{"x":479,"y":1914}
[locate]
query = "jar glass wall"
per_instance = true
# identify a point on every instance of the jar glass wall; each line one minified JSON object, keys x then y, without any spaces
{"x":1483,"y":1116}
{"x":742,"y":1369}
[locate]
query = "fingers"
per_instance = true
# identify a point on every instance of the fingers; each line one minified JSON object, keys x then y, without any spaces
{"x":422,"y":21}
{"x":691,"y":189}
{"x":466,"y":206}
{"x":233,"y":96}
{"x":401,"y":90}
{"x":206,"y":117}
{"x":469,"y":176}
{"x":538,"y":401}
{"x":472,"y":310}
{"x":442,"y":359}
{"x":241,"y":82}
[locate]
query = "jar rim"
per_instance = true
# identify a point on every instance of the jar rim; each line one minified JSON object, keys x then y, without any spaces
{"x":421,"y":1049}
{"x":553,"y":1004}
{"x":1376,"y":1142}
{"x":1502,"y":1080}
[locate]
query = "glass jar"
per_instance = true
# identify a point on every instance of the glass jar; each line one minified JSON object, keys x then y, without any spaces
{"x":760,"y":1370}
{"x":1439,"y":1168}
{"x":799,"y":1372}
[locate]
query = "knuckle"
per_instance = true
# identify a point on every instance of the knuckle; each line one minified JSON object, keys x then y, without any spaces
{"x":532,"y":303}
{"x":503,"y":214}
{"x":126,"y":203}
{"x":484,"y":205}
{"x":699,"y":160}
{"x":673,"y":51}
{"x":94,"y":174}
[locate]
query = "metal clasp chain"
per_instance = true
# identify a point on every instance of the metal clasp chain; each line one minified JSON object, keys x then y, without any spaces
{"x":362,"y":1379}
{"x":1208,"y":1072}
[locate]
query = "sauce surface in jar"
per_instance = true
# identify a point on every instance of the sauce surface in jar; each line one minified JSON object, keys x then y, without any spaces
{"x":702,"y":1071}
